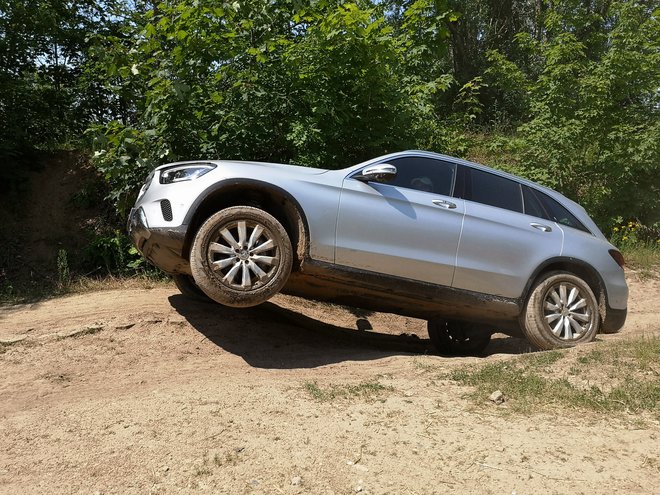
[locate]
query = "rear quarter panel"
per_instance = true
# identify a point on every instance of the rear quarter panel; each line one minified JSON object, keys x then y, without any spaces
{"x":594,"y":251}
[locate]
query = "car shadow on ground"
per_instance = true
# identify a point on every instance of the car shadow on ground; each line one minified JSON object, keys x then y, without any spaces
{"x":273,"y":337}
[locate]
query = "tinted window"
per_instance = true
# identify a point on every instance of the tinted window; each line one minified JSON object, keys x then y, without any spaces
{"x":491,"y":189}
{"x":559,"y":213}
{"x":533,"y":205}
{"x":424,"y":174}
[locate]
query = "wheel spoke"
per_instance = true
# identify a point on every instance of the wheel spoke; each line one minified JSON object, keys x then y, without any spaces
{"x":555,"y":297}
{"x":584,"y":318}
{"x":562,"y":293}
{"x":221,"y":264}
{"x":576,"y":326}
{"x":229,"y":238}
{"x":268,"y":260}
{"x":269,"y":244}
{"x":242,"y":233}
{"x":257,"y":271}
{"x":229,"y":277}
{"x":572,"y":295}
{"x":557,"y":328}
{"x":550,"y":306}
{"x":568,"y":333}
{"x":552,"y":317}
{"x":245,"y":283}
{"x":254,"y":237}
{"x":580,"y":304}
{"x":217,"y":248}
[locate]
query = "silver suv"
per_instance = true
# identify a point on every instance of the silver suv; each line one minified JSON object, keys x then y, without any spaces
{"x":468,"y":248}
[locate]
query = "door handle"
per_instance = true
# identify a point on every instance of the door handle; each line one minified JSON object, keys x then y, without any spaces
{"x":444,"y":204}
{"x":541,"y":227}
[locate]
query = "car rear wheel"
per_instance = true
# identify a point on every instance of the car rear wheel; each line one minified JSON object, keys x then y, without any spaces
{"x":457,"y":338}
{"x":561,"y":312}
{"x":187,"y":286}
{"x":241,"y":256}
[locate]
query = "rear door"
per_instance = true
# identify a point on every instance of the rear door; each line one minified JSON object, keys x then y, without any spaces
{"x":408,"y":228}
{"x":504,"y":237}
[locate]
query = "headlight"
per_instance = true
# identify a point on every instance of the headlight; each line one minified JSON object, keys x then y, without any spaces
{"x":180,"y":173}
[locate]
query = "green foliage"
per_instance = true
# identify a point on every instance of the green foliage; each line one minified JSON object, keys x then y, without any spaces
{"x":63,"y":272}
{"x":116,"y":253}
{"x":640,"y":245}
{"x":565,"y":93}
{"x":594,"y":127}
{"x":323,"y":85}
{"x":43,"y":104}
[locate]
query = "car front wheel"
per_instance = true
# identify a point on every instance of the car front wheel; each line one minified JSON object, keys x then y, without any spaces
{"x":241,"y":256}
{"x":561,"y":312}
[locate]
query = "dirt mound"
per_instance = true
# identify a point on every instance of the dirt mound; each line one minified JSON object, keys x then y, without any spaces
{"x":60,"y":204}
{"x":144,"y":391}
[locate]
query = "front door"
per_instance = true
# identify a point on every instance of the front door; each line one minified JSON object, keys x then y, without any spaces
{"x":407,"y":228}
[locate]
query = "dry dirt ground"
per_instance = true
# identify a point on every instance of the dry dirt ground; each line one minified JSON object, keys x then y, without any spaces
{"x":144,"y":391}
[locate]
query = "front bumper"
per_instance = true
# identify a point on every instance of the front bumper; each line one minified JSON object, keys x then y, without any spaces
{"x":163,"y":247}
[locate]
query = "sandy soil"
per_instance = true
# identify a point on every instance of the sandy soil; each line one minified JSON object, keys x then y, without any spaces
{"x":144,"y":391}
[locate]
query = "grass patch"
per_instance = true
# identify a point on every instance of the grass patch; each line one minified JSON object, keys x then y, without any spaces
{"x":614,"y":376}
{"x":644,"y":259}
{"x":424,"y":366}
{"x":364,"y":390}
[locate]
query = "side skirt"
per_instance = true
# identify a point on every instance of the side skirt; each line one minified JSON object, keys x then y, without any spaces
{"x":376,"y":292}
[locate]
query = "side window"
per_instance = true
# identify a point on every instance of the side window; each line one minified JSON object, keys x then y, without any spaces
{"x":533,"y":204}
{"x":424,"y":174}
{"x":490,"y":189}
{"x":559,"y":213}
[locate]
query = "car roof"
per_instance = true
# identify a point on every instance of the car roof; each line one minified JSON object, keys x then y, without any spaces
{"x":461,"y":161}
{"x":574,"y":207}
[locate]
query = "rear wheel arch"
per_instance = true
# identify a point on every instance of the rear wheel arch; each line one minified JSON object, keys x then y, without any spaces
{"x":267,"y":197}
{"x":562,"y":311}
{"x":572,"y":266}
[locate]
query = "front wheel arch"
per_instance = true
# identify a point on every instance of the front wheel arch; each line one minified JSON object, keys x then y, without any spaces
{"x":248,"y":192}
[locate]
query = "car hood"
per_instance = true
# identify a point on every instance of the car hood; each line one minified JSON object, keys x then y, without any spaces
{"x":292,"y":169}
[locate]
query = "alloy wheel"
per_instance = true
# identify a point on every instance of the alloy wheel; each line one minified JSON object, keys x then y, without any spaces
{"x":244,"y":255}
{"x":567,"y":312}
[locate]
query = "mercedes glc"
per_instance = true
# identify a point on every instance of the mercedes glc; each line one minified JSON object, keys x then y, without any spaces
{"x":470,"y":249}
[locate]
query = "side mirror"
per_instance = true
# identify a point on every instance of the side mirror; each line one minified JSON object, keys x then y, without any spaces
{"x":383,"y":172}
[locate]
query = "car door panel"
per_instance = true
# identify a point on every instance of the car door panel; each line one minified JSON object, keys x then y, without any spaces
{"x":398,"y":231}
{"x":500,"y":249}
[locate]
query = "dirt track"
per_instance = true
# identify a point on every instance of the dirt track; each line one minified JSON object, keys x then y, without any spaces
{"x":143,"y":391}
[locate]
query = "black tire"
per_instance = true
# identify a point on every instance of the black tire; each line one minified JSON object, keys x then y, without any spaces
{"x":241,"y":256}
{"x":187,"y":286}
{"x":457,"y":338}
{"x":561,"y":312}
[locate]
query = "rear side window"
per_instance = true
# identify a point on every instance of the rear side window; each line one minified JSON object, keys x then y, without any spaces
{"x":490,"y":189}
{"x":560,"y":214}
{"x":541,"y":205}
